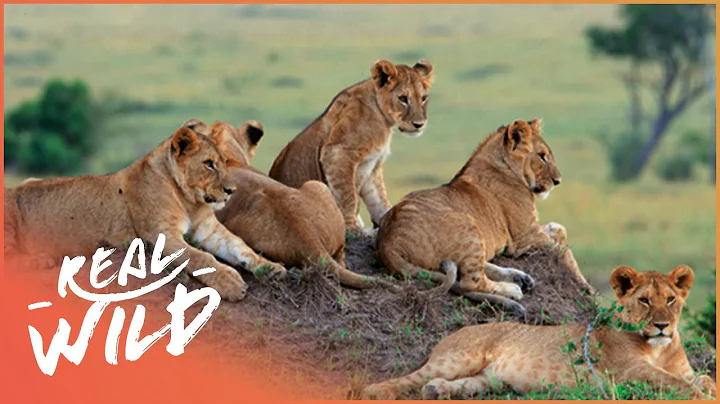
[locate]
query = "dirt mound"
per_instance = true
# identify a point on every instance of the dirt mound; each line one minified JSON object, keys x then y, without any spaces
{"x":338,"y":339}
{"x":375,"y":334}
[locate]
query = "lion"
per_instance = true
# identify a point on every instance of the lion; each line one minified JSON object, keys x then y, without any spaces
{"x":488,"y":206}
{"x":298,"y":227}
{"x":347,"y":145}
{"x":528,"y":358}
{"x":174,"y":190}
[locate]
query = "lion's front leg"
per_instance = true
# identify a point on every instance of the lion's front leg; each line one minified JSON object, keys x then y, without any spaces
{"x":532,"y":238}
{"x":659,"y":377}
{"x":215,"y":238}
{"x":226,"y":280}
{"x":374,"y":195}
{"x":340,"y":171}
{"x":558,"y":234}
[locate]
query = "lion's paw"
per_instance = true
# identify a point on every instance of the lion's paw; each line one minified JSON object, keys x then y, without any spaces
{"x":227,"y":282}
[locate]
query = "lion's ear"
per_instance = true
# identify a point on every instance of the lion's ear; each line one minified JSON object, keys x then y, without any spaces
{"x":197,"y":126}
{"x":253,"y":130}
{"x":517,"y":137}
{"x":184,"y":142}
{"x":383,"y":72}
{"x":535,"y":124}
{"x":682,"y":277}
{"x":623,"y":279}
{"x":425,"y":70}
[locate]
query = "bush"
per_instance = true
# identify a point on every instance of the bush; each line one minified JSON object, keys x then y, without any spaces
{"x":11,"y":146}
{"x":676,"y":167}
{"x":623,"y":152}
{"x":703,"y":322}
{"x":53,"y":133}
{"x":47,"y":152}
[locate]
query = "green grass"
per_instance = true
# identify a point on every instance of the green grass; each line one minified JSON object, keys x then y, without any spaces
{"x":283,"y":64}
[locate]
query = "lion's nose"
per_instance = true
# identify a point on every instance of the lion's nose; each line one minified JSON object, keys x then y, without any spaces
{"x":418,"y":125}
{"x":229,"y":191}
{"x":210,"y":199}
{"x":556,"y":181}
{"x":661,"y":326}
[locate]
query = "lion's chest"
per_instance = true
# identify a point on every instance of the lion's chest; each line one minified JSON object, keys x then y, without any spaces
{"x":371,"y":163}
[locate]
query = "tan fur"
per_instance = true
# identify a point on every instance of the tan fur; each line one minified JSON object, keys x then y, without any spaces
{"x":297,"y":227}
{"x":527,"y":357}
{"x":346,"y":146}
{"x":489,"y":206}
{"x":173,"y":190}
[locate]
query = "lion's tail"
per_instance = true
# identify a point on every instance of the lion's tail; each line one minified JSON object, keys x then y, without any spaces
{"x":353,"y":279}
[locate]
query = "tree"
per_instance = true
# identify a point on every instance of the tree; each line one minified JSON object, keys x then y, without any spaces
{"x":52,"y":133}
{"x":666,"y":38}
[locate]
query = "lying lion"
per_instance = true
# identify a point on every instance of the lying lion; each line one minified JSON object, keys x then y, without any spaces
{"x":525,"y":357}
{"x":173,"y":190}
{"x":489,"y":206}
{"x":298,"y":227}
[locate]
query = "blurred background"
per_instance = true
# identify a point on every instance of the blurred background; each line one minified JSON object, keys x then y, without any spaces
{"x":626,"y":94}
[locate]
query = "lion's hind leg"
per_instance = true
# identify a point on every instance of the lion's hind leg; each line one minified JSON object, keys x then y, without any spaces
{"x":445,"y":276}
{"x":447,"y":367}
{"x":466,"y":387}
{"x":504,"y":274}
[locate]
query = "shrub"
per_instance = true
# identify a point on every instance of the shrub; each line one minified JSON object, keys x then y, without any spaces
{"x":47,"y":152}
{"x":53,"y":133}
{"x":703,"y":322}
{"x":623,"y":152}
{"x":11,"y":146}
{"x":676,"y":167}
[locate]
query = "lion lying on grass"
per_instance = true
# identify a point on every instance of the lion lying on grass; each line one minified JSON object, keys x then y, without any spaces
{"x":524,"y":357}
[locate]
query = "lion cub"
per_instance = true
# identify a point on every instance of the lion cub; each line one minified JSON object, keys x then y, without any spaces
{"x":297,"y":227}
{"x":525,"y":357}
{"x":487,"y":207}
{"x":346,"y":146}
{"x":173,"y":190}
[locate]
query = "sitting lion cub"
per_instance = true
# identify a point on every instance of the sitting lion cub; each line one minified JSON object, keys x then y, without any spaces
{"x":297,"y":227}
{"x":526,"y":357}
{"x":489,"y":206}
{"x":346,"y":146}
{"x":173,"y":190}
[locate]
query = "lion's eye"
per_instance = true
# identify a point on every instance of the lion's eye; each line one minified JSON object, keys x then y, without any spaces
{"x":209,"y":164}
{"x":543,"y":157}
{"x":644,"y":300}
{"x":403,"y":99}
{"x":670,"y":300}
{"x":424,"y":98}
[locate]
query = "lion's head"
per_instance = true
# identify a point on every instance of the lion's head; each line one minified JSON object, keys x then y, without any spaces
{"x":531,"y":157}
{"x":652,"y":298}
{"x":238,"y":144}
{"x":403,"y":93}
{"x":199,"y":168}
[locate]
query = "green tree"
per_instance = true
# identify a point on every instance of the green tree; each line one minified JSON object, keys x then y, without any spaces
{"x":666,"y":38}
{"x":53,"y":133}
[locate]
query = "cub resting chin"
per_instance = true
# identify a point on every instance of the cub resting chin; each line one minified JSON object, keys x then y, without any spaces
{"x":347,"y":145}
{"x":174,"y":190}
{"x":298,"y":227}
{"x":524,"y":357}
{"x":489,"y":206}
